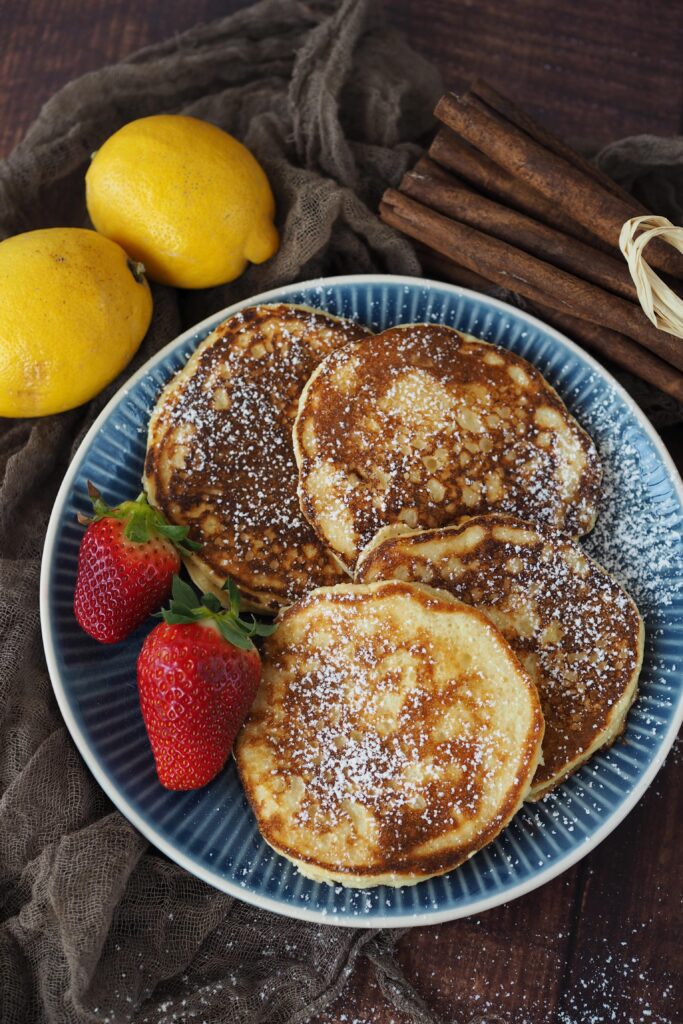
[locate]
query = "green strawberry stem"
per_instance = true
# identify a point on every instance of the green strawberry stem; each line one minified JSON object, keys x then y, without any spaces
{"x":236,"y":630}
{"x":142,"y":521}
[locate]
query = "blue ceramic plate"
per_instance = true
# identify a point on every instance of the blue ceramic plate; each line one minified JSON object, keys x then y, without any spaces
{"x":212,"y":832}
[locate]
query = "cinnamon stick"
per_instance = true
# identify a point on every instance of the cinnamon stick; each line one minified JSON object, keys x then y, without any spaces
{"x":575,"y":192}
{"x":610,"y":344}
{"x":617,"y":347}
{"x":487,"y":176}
{"x":448,"y":270}
{"x":505,"y":108}
{"x":490,"y":284}
{"x":511,"y":268}
{"x":441,"y":191}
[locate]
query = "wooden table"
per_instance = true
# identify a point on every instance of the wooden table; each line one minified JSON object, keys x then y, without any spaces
{"x":602,"y":943}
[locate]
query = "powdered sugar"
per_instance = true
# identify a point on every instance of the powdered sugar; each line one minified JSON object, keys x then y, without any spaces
{"x":637,"y":536}
{"x":385,"y":721}
{"x":221,"y":459}
{"x":423,"y":425}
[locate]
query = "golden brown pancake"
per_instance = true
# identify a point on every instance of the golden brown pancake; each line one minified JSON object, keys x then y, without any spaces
{"x":220,"y":459}
{"x":577,"y":633}
{"x":393,"y":735}
{"x":421,"y":425}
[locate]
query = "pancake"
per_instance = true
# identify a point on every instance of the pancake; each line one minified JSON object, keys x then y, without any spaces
{"x":577,"y":633}
{"x":220,"y":460}
{"x":422,"y":425}
{"x":393,"y":735}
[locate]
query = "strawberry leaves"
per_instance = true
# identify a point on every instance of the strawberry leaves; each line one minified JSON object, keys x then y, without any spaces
{"x":142,"y":522}
{"x":185,"y":607}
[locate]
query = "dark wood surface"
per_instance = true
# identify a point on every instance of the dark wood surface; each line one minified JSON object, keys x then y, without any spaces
{"x":601,"y":943}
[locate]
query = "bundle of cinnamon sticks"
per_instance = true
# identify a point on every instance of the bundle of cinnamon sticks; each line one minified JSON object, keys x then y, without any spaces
{"x":501,"y":203}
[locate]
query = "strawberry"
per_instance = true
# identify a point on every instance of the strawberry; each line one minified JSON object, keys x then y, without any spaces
{"x":198,"y":673}
{"x":126,"y":562}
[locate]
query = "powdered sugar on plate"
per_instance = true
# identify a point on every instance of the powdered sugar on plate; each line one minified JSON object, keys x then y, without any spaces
{"x":637,"y":536}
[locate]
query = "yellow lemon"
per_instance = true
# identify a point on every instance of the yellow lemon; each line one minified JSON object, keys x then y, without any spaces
{"x":74,"y":310}
{"x":185,"y":198}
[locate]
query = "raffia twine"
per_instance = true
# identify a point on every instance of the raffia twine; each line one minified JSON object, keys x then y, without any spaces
{"x":660,"y":304}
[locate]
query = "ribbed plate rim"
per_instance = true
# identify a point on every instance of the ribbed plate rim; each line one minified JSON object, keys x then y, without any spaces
{"x":120,"y":800}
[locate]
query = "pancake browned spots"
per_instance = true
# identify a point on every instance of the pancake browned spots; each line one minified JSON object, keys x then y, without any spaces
{"x":393,"y":734}
{"x":577,"y":633}
{"x":220,"y":456}
{"x":421,"y":425}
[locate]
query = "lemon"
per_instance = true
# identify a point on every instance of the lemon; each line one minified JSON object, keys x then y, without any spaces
{"x":74,"y":310}
{"x":185,"y":198}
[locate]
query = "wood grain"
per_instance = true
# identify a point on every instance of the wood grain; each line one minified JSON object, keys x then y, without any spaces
{"x":505,"y":964}
{"x":590,"y":71}
{"x":46,"y":43}
{"x":602,"y":942}
{"x":625,"y":954}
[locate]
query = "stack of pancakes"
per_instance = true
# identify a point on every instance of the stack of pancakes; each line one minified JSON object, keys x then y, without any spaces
{"x":411,"y":504}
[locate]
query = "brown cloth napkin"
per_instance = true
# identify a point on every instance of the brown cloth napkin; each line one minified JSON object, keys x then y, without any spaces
{"x":95,"y":926}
